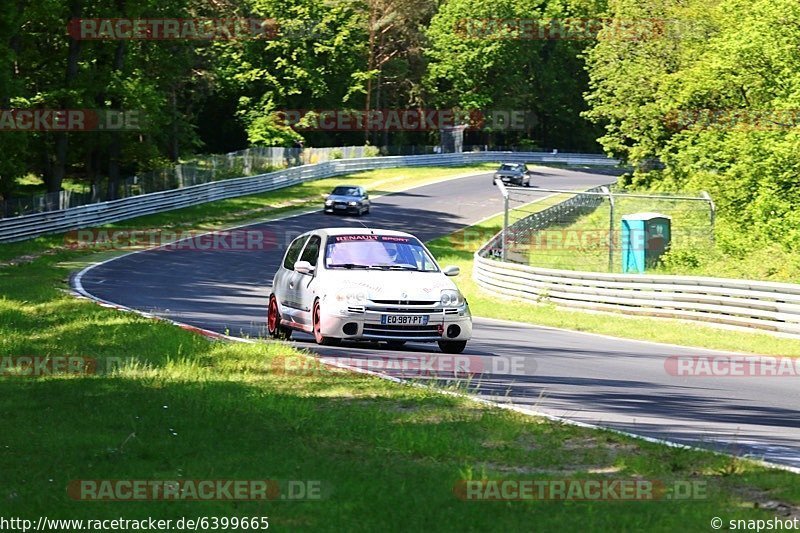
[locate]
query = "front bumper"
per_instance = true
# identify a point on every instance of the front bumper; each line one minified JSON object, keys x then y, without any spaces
{"x":364,"y":323}
{"x":346,"y":210}
{"x":510,"y":179}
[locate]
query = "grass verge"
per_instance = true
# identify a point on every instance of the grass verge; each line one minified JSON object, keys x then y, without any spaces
{"x":582,"y":243}
{"x":459,"y":248}
{"x":387,"y":456}
{"x":253,"y":208}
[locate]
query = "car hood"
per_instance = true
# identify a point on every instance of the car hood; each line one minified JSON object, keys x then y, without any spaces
{"x":389,"y":284}
{"x":342,"y":198}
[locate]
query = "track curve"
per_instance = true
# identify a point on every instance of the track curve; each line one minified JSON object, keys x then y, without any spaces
{"x":587,"y":378}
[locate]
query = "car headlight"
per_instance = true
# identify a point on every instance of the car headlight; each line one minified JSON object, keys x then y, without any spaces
{"x":352,"y":203}
{"x":352,"y":297}
{"x":328,"y":202}
{"x":451,"y":297}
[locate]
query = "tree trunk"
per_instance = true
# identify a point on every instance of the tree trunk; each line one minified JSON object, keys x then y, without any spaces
{"x":370,"y":67}
{"x":55,"y":177}
{"x":175,"y":149}
{"x":115,"y":147}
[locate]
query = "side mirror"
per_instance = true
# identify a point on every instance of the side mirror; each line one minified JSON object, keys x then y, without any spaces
{"x":451,"y":271}
{"x":304,"y":267}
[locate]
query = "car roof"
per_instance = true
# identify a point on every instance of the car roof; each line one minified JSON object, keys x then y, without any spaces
{"x":361,"y":231}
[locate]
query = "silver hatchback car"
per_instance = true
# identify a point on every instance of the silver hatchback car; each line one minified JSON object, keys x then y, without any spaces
{"x":367,"y":284}
{"x":513,"y":173}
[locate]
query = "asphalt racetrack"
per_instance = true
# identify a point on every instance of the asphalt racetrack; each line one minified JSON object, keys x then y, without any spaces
{"x":589,"y":378}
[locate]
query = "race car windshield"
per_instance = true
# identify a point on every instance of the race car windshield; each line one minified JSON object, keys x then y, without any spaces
{"x":378,"y":252}
{"x":509,"y":167}
{"x":345,"y":191}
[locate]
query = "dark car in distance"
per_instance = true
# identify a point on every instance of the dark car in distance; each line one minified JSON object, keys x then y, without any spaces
{"x":347,"y":200}
{"x":513,"y":173}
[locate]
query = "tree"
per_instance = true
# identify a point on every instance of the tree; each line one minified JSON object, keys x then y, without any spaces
{"x":477,"y":64}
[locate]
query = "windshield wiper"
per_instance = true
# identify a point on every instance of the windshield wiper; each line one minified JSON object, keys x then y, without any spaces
{"x":348,"y":266}
{"x":404,"y":267}
{"x":393,"y":267}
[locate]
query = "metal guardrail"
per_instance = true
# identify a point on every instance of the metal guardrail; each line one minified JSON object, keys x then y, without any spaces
{"x":499,"y":244}
{"x":763,"y":305}
{"x":31,"y":226}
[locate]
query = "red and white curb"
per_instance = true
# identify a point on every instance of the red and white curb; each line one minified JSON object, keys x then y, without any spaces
{"x":79,"y":291}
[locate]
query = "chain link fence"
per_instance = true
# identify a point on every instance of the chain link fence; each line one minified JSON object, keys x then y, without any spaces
{"x":250,"y":162}
{"x":582,"y":231}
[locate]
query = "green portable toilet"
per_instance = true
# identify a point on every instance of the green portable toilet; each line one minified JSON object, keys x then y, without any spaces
{"x":645,"y":237}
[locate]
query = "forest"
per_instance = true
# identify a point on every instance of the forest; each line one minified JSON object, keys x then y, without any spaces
{"x":691,"y":94}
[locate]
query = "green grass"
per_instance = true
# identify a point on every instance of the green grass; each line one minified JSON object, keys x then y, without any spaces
{"x":582,"y":243}
{"x":33,"y":184}
{"x":458,"y":249}
{"x":234,"y":211}
{"x":388,"y":455}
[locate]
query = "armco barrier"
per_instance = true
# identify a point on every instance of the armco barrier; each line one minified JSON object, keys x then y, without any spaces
{"x":769,"y":306}
{"x":30,"y":226}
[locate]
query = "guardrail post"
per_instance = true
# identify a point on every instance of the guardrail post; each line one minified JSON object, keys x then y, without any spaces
{"x":607,"y":191}
{"x":504,"y":243}
{"x":505,"y":228}
{"x":712,"y":213}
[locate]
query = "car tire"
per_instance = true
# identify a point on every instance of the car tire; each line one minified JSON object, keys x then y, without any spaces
{"x":395,"y":345}
{"x":452,"y":346}
{"x":528,"y":183}
{"x":274,"y":327}
{"x":318,"y":337}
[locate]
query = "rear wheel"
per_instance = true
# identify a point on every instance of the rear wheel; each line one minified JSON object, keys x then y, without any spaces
{"x":452,"y":346}
{"x":274,"y":327}
{"x":318,"y":337}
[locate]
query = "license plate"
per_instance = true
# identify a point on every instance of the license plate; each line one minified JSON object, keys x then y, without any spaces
{"x":405,"y":320}
{"x":340,"y":207}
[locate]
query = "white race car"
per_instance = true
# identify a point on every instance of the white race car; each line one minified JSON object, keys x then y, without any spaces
{"x":367,"y":284}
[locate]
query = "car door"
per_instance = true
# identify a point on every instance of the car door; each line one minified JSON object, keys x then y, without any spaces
{"x":284,"y":287}
{"x":305,"y":284}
